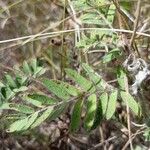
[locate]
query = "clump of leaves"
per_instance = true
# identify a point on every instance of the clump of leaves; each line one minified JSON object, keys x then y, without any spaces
{"x":13,"y":85}
{"x":98,"y":97}
{"x":93,"y":94}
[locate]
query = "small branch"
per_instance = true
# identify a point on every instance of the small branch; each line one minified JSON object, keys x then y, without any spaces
{"x":128,"y":115}
{"x":76,"y":21}
{"x":100,"y":144}
{"x":63,"y":50}
{"x":133,"y":136}
{"x":138,"y":10}
{"x":96,"y":51}
{"x":102,"y":137}
{"x":50,"y":34}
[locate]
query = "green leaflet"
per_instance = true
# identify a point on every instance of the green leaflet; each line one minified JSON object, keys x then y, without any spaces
{"x":98,"y":115}
{"x":1,"y":84}
{"x":39,"y":71}
{"x":42,"y":117}
{"x":115,"y":53}
{"x":79,"y":5}
{"x":10,"y":81}
{"x":76,"y":115}
{"x":50,"y":113}
{"x":58,"y":89}
{"x":94,"y":77}
{"x":83,"y":82}
{"x":31,"y":120}
{"x":33,"y":101}
{"x":23,"y":108}
{"x":92,"y":18}
{"x":17,"y":107}
{"x":84,"y":43}
{"x":32,"y":68}
{"x":21,"y":80}
{"x":23,"y":124}
{"x":72,"y":90}
{"x":130,"y":101}
{"x":21,"y":89}
{"x":90,"y":111}
{"x":26,"y":68}
{"x":34,"y":65}
{"x":17,"y":116}
{"x":111,"y":14}
{"x":147,"y":135}
{"x":104,"y":102}
{"x":18,"y":125}
{"x":111,"y":107}
{"x":45,"y":100}
{"x":7,"y":93}
{"x":58,"y":111}
{"x":121,"y":75}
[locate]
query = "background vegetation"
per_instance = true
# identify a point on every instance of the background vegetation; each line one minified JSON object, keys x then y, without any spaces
{"x":74,"y":74}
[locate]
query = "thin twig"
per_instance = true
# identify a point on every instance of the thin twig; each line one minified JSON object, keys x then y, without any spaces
{"x":77,"y":23}
{"x":136,"y":22}
{"x":10,"y":6}
{"x":122,"y":25}
{"x":128,"y":115}
{"x":133,"y":136}
{"x":102,"y":137}
{"x":100,"y":144}
{"x":63,"y":49}
{"x":49,"y":34}
{"x":97,"y":51}
{"x":58,"y":23}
